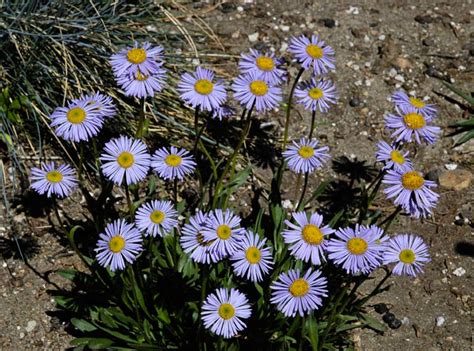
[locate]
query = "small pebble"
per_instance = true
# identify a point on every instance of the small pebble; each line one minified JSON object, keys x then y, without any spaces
{"x":354,"y":102}
{"x":440,"y":320}
{"x":389,"y":317}
{"x":459,"y":272}
{"x":253,"y":37}
{"x":381,"y":308}
{"x":30,"y":326}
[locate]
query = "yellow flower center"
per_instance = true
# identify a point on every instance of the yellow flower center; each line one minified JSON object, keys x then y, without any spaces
{"x":417,"y":102}
{"x":116,"y":244}
{"x":173,"y":160}
{"x":140,"y":76}
{"x":312,"y":234}
{"x":414,"y":120}
{"x":357,"y":246}
{"x":397,"y":157}
{"x":224,"y":231}
{"x":314,"y":51}
{"x":54,"y":176}
{"x":157,"y":216}
{"x":315,"y":93}
{"x":258,"y":87}
{"x":306,"y":151}
{"x":136,"y":55}
{"x":412,"y":180}
{"x":204,"y":87}
{"x":407,"y":256}
{"x":226,"y":311}
{"x":265,"y":63}
{"x":299,"y":287}
{"x":125,"y":159}
{"x":76,"y":115}
{"x":253,"y":255}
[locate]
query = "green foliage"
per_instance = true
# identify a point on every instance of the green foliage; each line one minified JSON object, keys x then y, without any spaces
{"x":465,"y":127}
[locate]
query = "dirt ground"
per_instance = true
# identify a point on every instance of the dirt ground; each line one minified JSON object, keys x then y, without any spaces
{"x":380,"y":46}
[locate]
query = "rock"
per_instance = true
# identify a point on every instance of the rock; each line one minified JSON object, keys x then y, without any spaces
{"x":395,"y":324}
{"x":30,"y":326}
{"x":428,"y":42}
{"x":405,"y":321}
{"x":457,"y":179}
{"x":381,"y":308}
{"x":451,"y":166}
{"x":327,"y":22}
{"x":459,"y":272}
{"x":20,"y":218}
{"x":389,"y":317}
{"x":253,"y":37}
{"x":354,"y":102}
{"x":440,"y":320}
{"x":285,"y":28}
{"x":402,"y":63}
{"x":424,"y":19}
{"x":433,"y":174}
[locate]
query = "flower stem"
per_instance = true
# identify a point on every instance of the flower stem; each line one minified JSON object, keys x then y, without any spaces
{"x":141,"y":121}
{"x":311,"y":129}
{"x":129,"y":202}
{"x":305,"y":186}
{"x":175,"y":191}
{"x":288,"y":109}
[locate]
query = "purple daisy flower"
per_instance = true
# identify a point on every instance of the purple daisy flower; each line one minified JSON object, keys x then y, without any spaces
{"x":79,"y":121}
{"x":222,"y":112}
{"x":393,"y":157}
{"x":223,"y":230}
{"x":173,"y":163}
{"x":295,"y":294}
{"x":358,"y":250}
{"x":304,"y":157}
{"x":252,"y":260}
{"x":121,"y":242}
{"x":193,"y":243}
{"x":307,"y":237}
{"x":317,"y":94}
{"x":144,"y":58}
{"x":250,"y":90}
{"x":52,"y":180}
{"x":143,"y":85}
{"x":266,"y":65}
{"x":127,"y":158}
{"x":102,"y":104}
{"x":198,"y":90}
{"x":411,"y":191}
{"x":409,"y":123}
{"x":313,"y":52}
{"x":400,"y":98}
{"x":223,"y":311}
{"x":409,"y":252}
{"x":156,"y":218}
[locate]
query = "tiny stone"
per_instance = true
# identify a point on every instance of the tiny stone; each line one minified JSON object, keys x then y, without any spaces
{"x":395,"y":324}
{"x":240,"y":9}
{"x":30,"y":326}
{"x":459,"y":272}
{"x":428,"y":42}
{"x":389,"y":317}
{"x":451,"y":166}
{"x":440,"y":321}
{"x":354,"y":102}
{"x":405,"y":321}
{"x":328,"y":22}
{"x":424,"y":19}
{"x":381,"y":308}
{"x":285,"y":28}
{"x":392,"y":73}
{"x":253,"y":37}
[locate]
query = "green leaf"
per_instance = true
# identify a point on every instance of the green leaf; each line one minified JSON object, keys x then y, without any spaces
{"x":15,"y":105}
{"x":468,"y":123}
{"x":163,"y":315}
{"x":313,"y":332}
{"x":69,"y":274}
{"x":372,"y":323}
{"x":93,"y":343}
{"x":319,"y":191}
{"x":459,"y":92}
{"x":83,"y":325}
{"x":466,"y":137}
{"x":7,"y":139}
{"x":336,"y":218}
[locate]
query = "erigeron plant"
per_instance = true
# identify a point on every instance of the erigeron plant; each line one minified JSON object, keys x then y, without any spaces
{"x":164,"y":276}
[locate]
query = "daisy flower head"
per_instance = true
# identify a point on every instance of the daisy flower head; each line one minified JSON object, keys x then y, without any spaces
{"x":78,"y":121}
{"x":143,"y":85}
{"x":222,"y":112}
{"x":317,"y":94}
{"x":199,"y":90}
{"x":103,"y":104}
{"x":393,"y":157}
{"x":120,"y":243}
{"x":400,"y":98}
{"x":293,"y":293}
{"x":411,"y":191}
{"x":313,"y":52}
{"x":125,"y":158}
{"x":357,"y":250}
{"x":223,"y":312}
{"x":408,"y":124}
{"x":172,"y":163}
{"x":251,"y":90}
{"x":156,"y":218}
{"x":308,"y":237}
{"x":253,"y":259}
{"x":140,"y":57}
{"x":53,"y":180}
{"x":193,"y":243}
{"x":266,"y":65}
{"x":409,"y":252}
{"x":223,"y":230}
{"x":304,"y":156}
